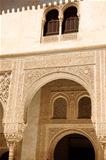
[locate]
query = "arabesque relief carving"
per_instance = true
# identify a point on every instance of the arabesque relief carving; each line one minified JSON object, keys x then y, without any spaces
{"x":85,"y":72}
{"x":4,"y":86}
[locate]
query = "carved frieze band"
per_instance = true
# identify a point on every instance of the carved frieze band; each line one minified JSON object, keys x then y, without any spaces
{"x":4,"y":86}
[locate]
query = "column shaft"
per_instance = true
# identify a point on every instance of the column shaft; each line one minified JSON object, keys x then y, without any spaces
{"x":11,"y":146}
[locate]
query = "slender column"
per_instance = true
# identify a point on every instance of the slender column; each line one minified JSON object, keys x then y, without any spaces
{"x":11,"y":146}
{"x":60,"y":27}
{"x":103,"y":144}
{"x":42,"y":29}
{"x":104,"y":148}
{"x":13,"y":133}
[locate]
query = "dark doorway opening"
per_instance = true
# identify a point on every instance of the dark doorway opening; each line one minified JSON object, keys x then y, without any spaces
{"x":4,"y":156}
{"x":74,"y":147}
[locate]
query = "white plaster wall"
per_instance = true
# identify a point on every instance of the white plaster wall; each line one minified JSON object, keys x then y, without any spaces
{"x":92,"y":22}
{"x":30,"y":135}
{"x":21,"y":30}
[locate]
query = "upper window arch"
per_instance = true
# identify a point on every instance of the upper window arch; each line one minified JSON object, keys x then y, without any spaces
{"x":51,"y":26}
{"x":71,"y":20}
{"x":84,"y":107}
{"x":60,"y":108}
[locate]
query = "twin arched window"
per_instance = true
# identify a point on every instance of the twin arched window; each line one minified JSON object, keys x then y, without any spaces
{"x":60,"y":108}
{"x":69,"y":25}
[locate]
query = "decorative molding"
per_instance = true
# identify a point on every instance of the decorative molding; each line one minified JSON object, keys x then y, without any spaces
{"x":4,"y":86}
{"x":64,"y":59}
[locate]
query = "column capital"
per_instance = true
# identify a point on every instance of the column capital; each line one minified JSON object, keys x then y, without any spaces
{"x":13,"y":137}
{"x":14,"y":131}
{"x":102,"y":140}
{"x":11,"y":144}
{"x":60,"y":19}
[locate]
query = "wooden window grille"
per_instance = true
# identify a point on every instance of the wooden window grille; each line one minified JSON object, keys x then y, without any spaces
{"x":71,"y":20}
{"x":71,"y":25}
{"x":52,"y":23}
{"x":52,"y":27}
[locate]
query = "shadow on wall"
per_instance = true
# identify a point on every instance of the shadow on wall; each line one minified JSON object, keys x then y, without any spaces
{"x":3,"y":145}
{"x":8,"y":6}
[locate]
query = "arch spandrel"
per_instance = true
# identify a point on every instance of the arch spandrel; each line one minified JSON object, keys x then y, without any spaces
{"x":35,"y":79}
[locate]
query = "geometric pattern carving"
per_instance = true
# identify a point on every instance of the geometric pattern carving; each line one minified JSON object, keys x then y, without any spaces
{"x":4,"y":86}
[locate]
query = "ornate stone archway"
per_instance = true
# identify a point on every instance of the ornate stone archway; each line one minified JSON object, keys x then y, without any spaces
{"x":38,"y":78}
{"x":61,"y":134}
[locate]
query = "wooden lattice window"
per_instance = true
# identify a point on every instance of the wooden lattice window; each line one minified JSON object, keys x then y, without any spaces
{"x":84,"y":108}
{"x":52,"y":23}
{"x":60,"y":108}
{"x":71,"y":20}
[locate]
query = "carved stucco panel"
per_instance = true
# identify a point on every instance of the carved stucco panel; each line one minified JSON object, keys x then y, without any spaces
{"x":4,"y":86}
